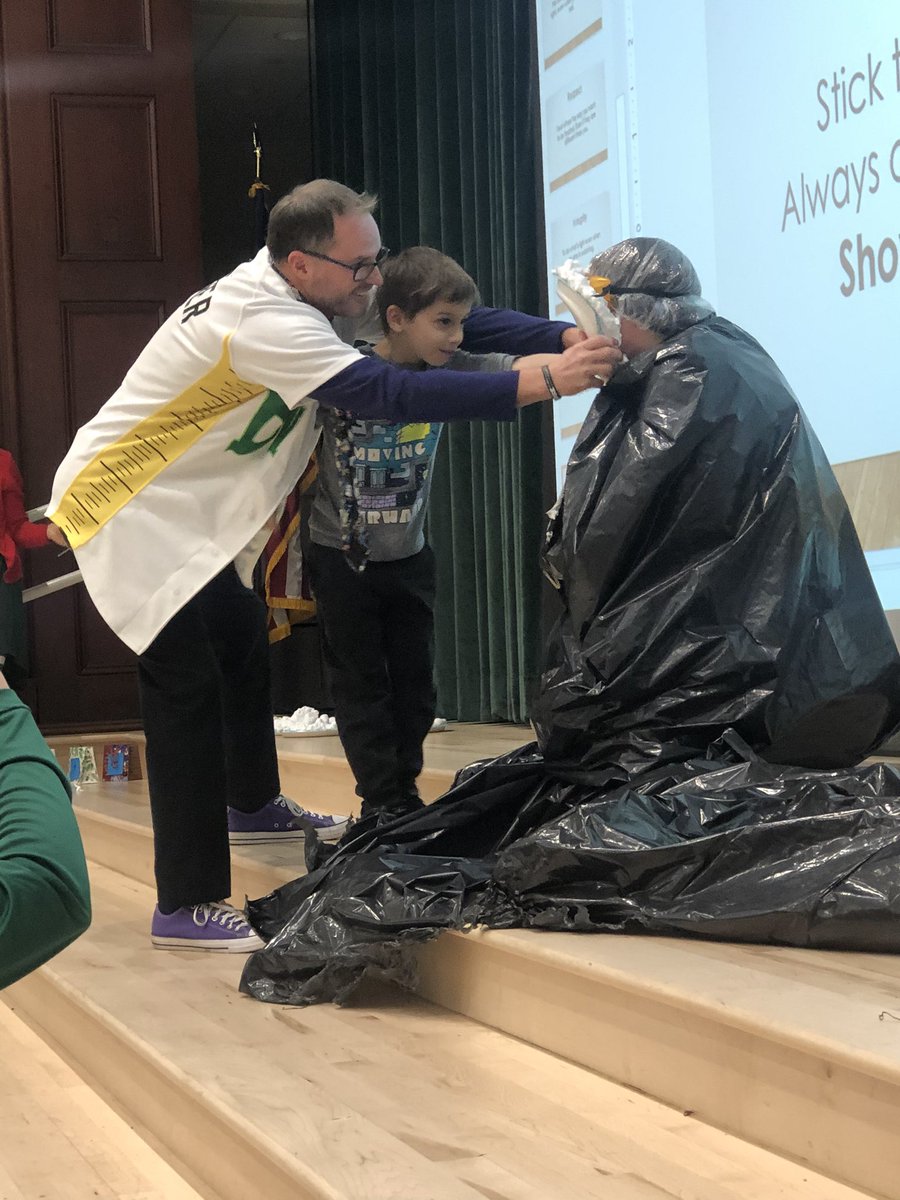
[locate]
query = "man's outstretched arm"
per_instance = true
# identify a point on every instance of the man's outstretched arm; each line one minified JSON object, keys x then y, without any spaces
{"x":373,"y":389}
{"x":511,"y":332}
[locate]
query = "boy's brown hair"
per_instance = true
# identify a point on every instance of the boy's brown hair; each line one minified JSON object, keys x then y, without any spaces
{"x":419,"y":276}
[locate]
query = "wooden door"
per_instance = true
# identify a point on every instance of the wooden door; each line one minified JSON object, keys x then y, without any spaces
{"x":99,"y":241}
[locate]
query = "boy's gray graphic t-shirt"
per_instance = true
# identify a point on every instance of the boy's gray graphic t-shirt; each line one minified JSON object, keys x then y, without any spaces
{"x":392,"y":465}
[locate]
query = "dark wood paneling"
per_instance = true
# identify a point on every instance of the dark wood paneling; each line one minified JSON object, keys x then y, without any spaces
{"x":98,"y":651}
{"x":83,"y":26}
{"x":101,"y":339}
{"x":100,"y":240}
{"x":111,"y":211}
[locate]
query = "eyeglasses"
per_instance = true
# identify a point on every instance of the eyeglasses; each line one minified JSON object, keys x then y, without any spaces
{"x":361,"y":271}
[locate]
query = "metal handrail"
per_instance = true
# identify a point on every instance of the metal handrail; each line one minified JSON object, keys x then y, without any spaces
{"x":51,"y":585}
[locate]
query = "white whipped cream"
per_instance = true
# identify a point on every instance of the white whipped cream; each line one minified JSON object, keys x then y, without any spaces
{"x":589,"y":311}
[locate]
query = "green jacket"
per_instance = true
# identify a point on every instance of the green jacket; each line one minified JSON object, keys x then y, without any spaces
{"x":45,"y":898}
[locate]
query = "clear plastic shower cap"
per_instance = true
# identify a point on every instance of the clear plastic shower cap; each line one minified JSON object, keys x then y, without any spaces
{"x":654,"y":283}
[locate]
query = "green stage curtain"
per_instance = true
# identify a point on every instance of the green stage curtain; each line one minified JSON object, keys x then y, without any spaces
{"x":430,"y":104}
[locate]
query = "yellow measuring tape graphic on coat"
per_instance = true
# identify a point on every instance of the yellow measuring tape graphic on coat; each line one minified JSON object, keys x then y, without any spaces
{"x":126,"y":466}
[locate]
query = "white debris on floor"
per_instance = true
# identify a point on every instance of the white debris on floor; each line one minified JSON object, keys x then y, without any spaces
{"x":305,"y":720}
{"x":310,"y":720}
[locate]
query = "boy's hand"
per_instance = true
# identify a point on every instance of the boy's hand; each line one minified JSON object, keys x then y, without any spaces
{"x":586,"y":364}
{"x":572,"y":336}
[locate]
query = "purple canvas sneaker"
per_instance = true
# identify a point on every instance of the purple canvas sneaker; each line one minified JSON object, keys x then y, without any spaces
{"x":214,"y":926}
{"x":282,"y":820}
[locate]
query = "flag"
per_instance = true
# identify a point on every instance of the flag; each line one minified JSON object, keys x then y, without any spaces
{"x":259,"y":197}
{"x":286,"y":586}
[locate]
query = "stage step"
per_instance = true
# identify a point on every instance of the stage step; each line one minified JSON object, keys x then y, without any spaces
{"x":389,"y":1099}
{"x":114,"y":819}
{"x":315,"y":772}
{"x":797,"y":1051}
{"x":58,"y":1138}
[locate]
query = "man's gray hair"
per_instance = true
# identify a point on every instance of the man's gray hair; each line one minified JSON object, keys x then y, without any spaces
{"x":304,"y":218}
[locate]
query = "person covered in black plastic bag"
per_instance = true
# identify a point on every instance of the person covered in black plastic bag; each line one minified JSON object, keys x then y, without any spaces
{"x":711,"y":575}
{"x":717,"y":613}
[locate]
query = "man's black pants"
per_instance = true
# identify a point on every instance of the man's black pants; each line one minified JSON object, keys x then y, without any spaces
{"x":378,"y":638}
{"x":205,"y":698}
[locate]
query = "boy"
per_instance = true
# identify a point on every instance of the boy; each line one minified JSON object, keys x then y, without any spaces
{"x":377,"y":622}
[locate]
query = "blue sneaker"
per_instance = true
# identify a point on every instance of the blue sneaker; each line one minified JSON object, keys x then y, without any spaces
{"x":282,"y":820}
{"x":214,"y":926}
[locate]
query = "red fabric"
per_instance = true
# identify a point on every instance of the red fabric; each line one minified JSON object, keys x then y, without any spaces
{"x":16,"y":531}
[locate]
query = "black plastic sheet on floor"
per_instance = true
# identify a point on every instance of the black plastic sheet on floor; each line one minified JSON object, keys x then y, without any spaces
{"x":734,"y":850}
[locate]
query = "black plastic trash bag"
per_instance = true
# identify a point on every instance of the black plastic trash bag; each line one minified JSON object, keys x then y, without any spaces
{"x":395,"y":886}
{"x":709,"y":568}
{"x":719,"y":621}
{"x":357,"y":918}
{"x":746,"y":852}
{"x":733,"y":850}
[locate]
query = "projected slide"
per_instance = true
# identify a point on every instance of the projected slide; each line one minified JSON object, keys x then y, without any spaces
{"x":762,"y":139}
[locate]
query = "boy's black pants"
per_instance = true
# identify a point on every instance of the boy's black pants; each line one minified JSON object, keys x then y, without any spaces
{"x":205,"y":698}
{"x":378,"y":639}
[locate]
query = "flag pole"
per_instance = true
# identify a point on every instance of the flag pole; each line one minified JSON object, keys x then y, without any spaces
{"x":258,"y":193}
